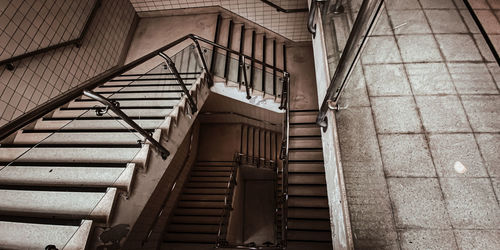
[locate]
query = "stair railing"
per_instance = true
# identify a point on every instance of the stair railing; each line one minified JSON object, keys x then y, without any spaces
{"x":115,"y":107}
{"x":245,"y":79}
{"x":173,"y":69}
{"x":362,"y":27}
{"x":228,"y":204}
{"x":284,"y":157}
{"x":311,"y":26}
{"x":100,"y":79}
{"x":281,"y":9}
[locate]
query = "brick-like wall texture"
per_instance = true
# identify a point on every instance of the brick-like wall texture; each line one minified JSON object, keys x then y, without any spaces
{"x":31,"y":24}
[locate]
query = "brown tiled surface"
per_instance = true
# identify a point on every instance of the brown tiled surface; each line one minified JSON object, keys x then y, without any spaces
{"x":290,"y":25}
{"x":37,"y":79}
{"x":432,"y":87}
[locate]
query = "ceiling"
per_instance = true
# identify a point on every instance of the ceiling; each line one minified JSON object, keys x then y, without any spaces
{"x":289,"y":25}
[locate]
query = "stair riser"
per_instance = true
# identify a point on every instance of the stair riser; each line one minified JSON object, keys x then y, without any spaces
{"x":304,"y":131}
{"x":295,"y":155}
{"x":92,"y":124}
{"x":305,"y":143}
{"x":69,"y":154}
{"x":63,"y":177}
{"x":81,"y":138}
{"x":126,"y":103}
{"x":129,"y":112}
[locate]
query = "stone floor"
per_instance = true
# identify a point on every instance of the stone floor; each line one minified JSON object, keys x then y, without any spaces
{"x":420,"y":139}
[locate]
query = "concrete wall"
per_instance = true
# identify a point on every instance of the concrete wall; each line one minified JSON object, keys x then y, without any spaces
{"x":29,"y":25}
{"x":219,"y":142}
{"x":337,"y":200}
{"x":155,"y":32}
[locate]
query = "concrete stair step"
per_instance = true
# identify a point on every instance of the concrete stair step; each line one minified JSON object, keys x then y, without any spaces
{"x":126,"y":103}
{"x":200,"y":212}
{"x":301,"y":224}
{"x":307,"y":202}
{"x":308,"y":213}
{"x":306,"y":167}
{"x":75,"y":153}
{"x":143,"y":111}
{"x":37,"y":236}
{"x":305,"y":154}
{"x":301,"y":245}
{"x":206,"y":185}
{"x":57,"y":204}
{"x":190,"y":228}
{"x":197,"y":220}
{"x":214,"y":164}
{"x":204,"y":191}
{"x":137,"y":95}
{"x":61,"y":176}
{"x":145,"y":123}
{"x":295,"y":190}
{"x":209,"y":179}
{"x":303,"y":117}
{"x":201,"y":204}
{"x":315,"y":178}
{"x":190,"y":237}
{"x":315,"y":236}
{"x":213,"y":168}
{"x":148,"y":80}
{"x":68,"y":137}
{"x":307,"y":142}
{"x":153,"y":85}
{"x":305,"y":130}
{"x":210,"y":174}
{"x":197,"y":197}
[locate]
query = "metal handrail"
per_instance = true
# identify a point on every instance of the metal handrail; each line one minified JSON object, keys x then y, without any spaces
{"x":281,"y":9}
{"x":77,"y":41}
{"x":365,"y":21}
{"x":173,"y":69}
{"x":96,"y":81}
{"x":115,"y":107}
{"x":284,"y":156}
{"x":311,"y":26}
{"x":223,"y":221}
{"x":245,"y":79}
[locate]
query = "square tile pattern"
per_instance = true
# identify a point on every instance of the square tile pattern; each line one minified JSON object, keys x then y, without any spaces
{"x":433,"y":88}
{"x":290,"y":25}
{"x":38,"y":79}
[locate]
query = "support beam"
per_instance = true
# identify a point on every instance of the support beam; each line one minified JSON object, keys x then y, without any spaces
{"x":229,"y":41}
{"x":216,"y":39}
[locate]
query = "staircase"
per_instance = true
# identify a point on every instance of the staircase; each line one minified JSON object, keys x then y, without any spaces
{"x":308,"y":214}
{"x":261,"y":46}
{"x":65,"y":174}
{"x":198,"y":217}
{"x":62,"y":175}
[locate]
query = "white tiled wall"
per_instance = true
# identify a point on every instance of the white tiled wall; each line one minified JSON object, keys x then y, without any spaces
{"x":37,"y":79}
{"x":290,"y":25}
{"x":30,"y":25}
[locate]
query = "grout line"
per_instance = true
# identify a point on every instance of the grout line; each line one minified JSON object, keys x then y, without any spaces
{"x":419,"y":113}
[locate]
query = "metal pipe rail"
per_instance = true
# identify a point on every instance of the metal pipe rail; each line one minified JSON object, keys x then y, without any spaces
{"x":114,"y":106}
{"x":228,"y":204}
{"x":173,"y":69}
{"x":100,"y":79}
{"x":284,"y":157}
{"x":311,"y":26}
{"x":281,"y":9}
{"x":362,"y":27}
{"x":77,"y":41}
